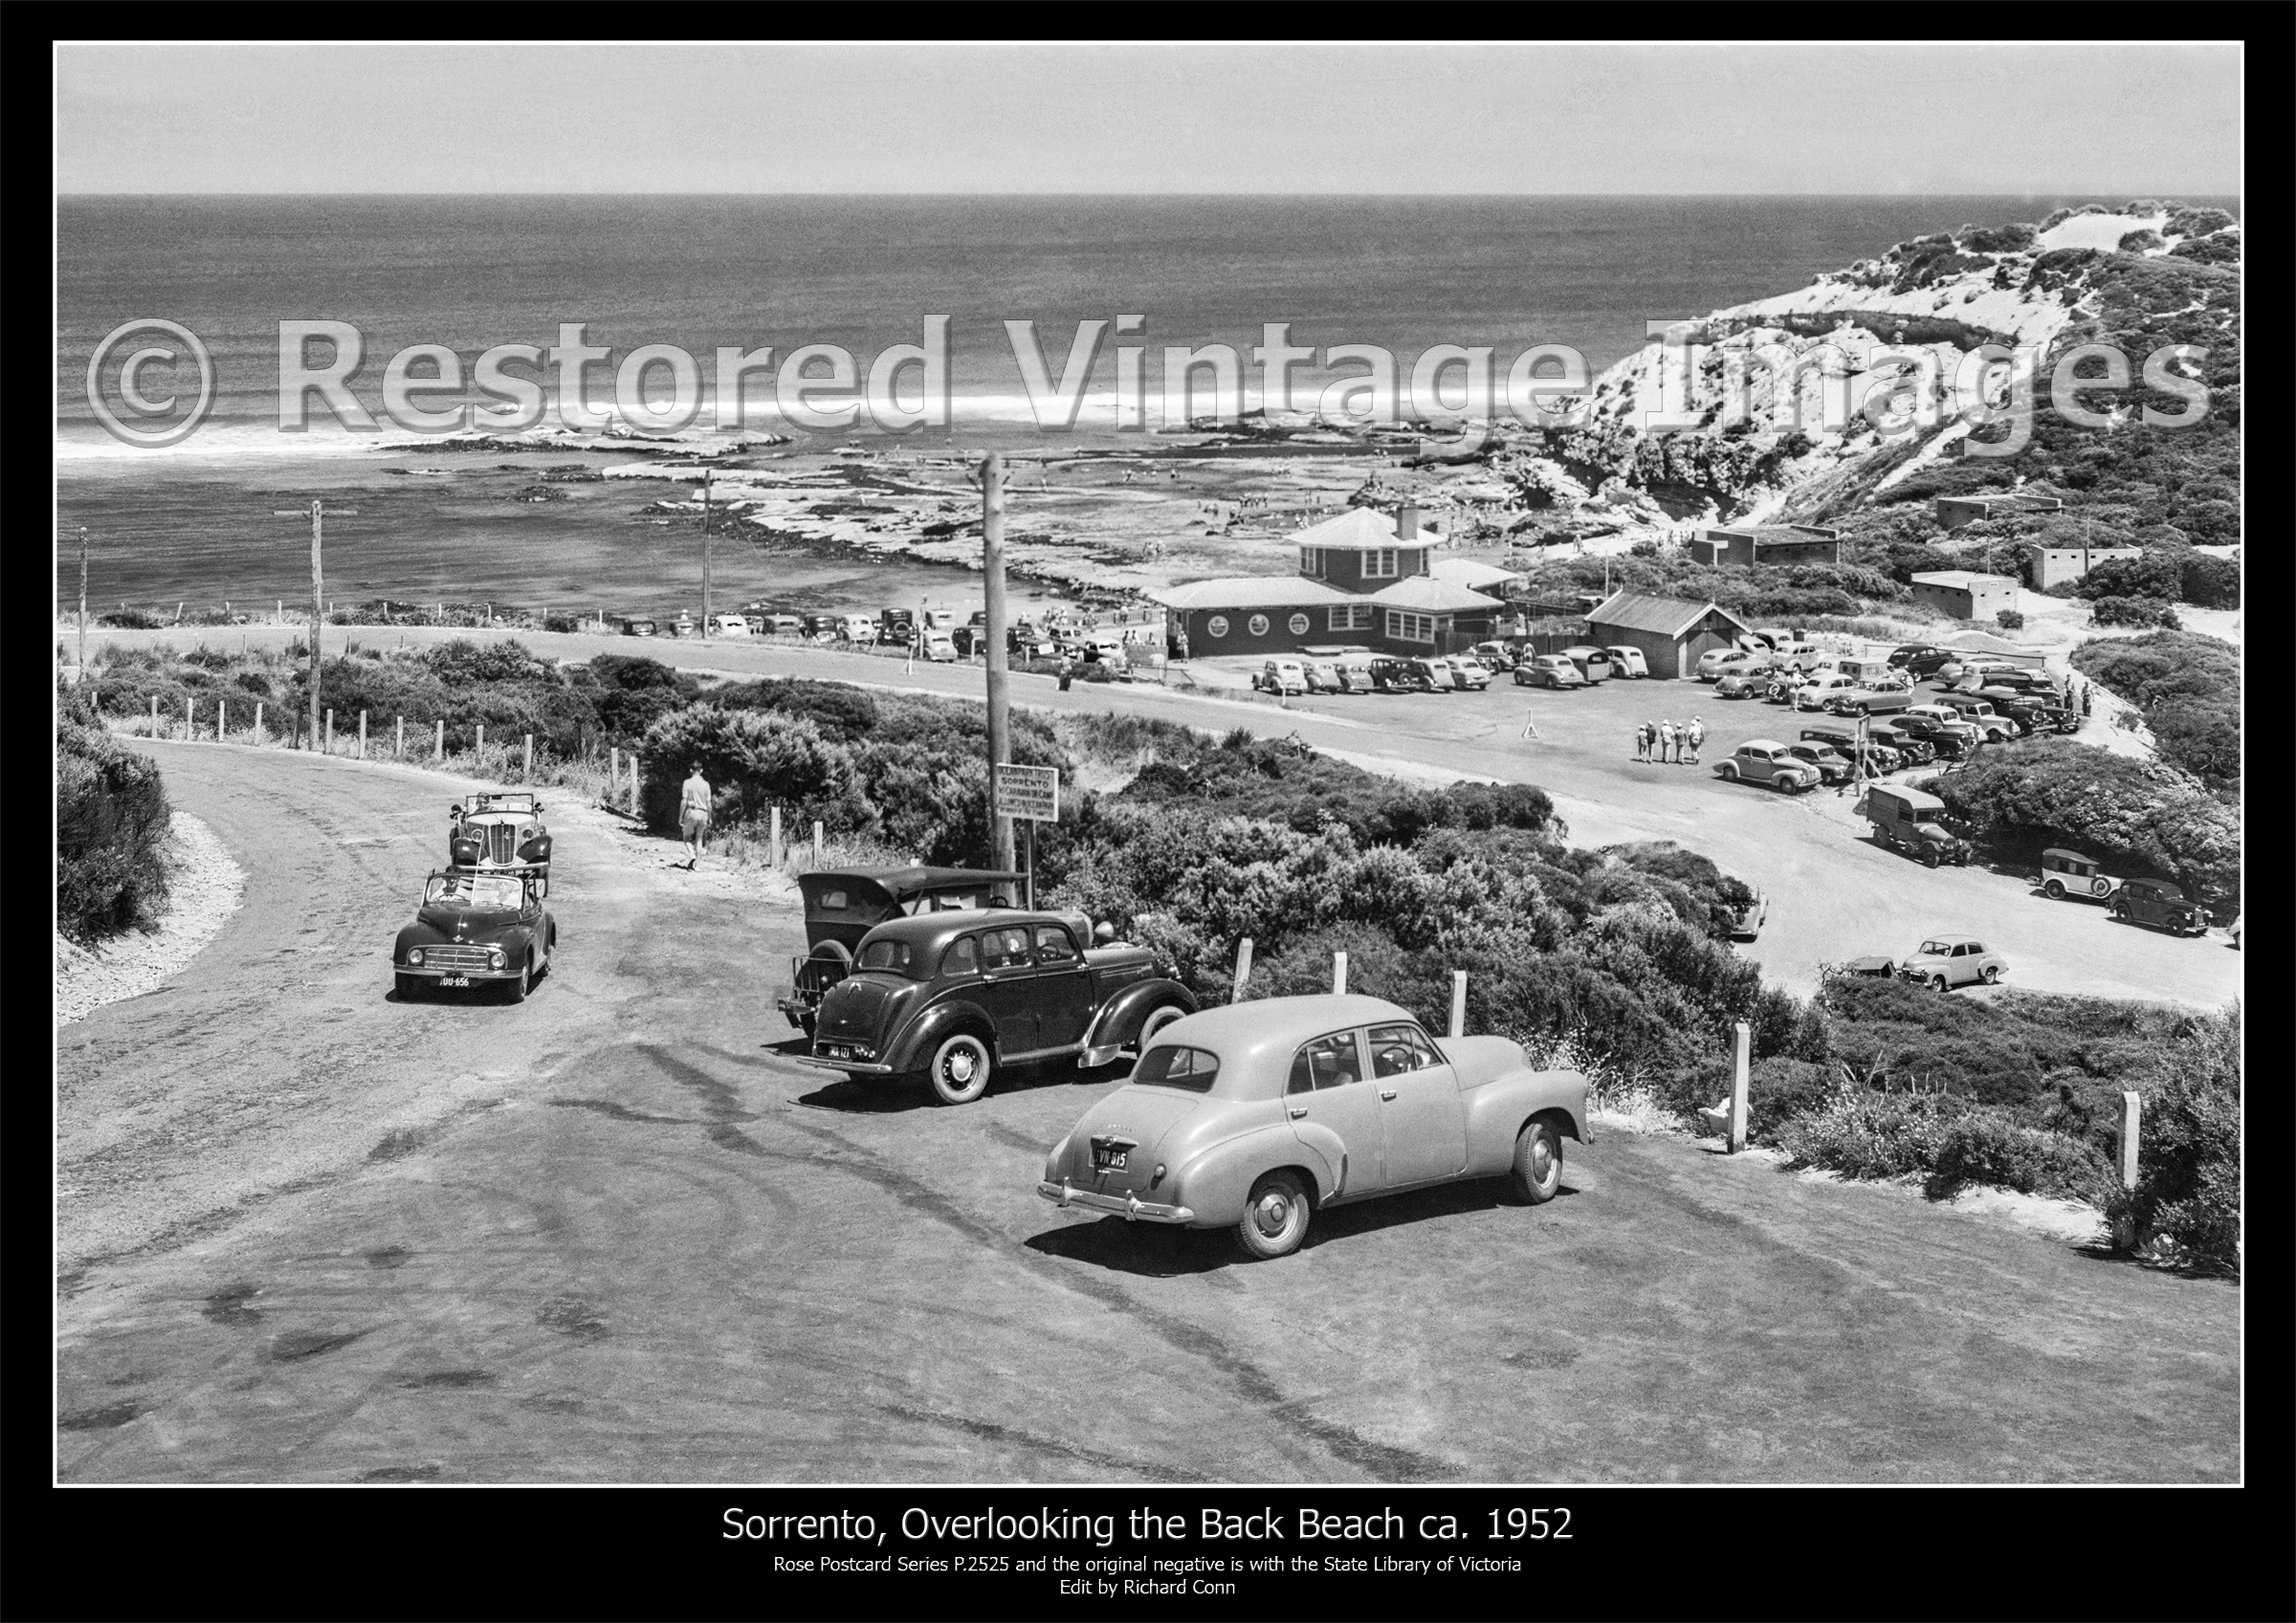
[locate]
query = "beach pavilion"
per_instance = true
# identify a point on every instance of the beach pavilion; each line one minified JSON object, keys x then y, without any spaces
{"x":1363,"y":581}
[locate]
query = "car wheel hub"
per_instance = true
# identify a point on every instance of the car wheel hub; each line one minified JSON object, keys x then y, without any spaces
{"x":1543,"y":1160}
{"x":1272,"y":1213}
{"x":960,"y":1066}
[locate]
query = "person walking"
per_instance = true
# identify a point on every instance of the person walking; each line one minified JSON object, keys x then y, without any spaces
{"x":1641,"y":741}
{"x":1667,"y":744}
{"x":1696,"y":738}
{"x":2084,"y":687}
{"x":693,"y":815}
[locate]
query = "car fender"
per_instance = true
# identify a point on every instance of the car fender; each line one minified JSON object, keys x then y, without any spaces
{"x":1118,"y":1025}
{"x":1497,"y":1110}
{"x":1215,"y":1183}
{"x":909,"y":1050}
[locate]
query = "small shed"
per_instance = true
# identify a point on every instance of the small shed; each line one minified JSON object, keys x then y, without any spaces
{"x":1671,"y":632}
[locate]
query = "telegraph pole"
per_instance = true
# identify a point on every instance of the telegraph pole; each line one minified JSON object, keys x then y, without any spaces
{"x":83,"y":604}
{"x":708,"y":560}
{"x":999,"y":697}
{"x":318,"y":594}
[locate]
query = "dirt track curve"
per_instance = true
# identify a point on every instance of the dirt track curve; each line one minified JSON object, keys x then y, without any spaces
{"x":308,"y":1233}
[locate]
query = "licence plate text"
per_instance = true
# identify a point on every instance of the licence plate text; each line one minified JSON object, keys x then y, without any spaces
{"x":453,"y":981}
{"x":1110,"y":1160}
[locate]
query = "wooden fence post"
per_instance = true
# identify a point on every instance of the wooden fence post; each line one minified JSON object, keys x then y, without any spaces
{"x":438,"y":745}
{"x":481,"y":746}
{"x":2132,"y":1110}
{"x":1739,"y":1065}
{"x":1339,"y":974}
{"x":526,"y":774}
{"x":1458,"y":1002}
{"x":398,"y":747}
{"x":817,"y":856}
{"x":186,"y":717}
{"x":363,"y":734}
{"x":613,"y":775}
{"x":219,"y":721}
{"x":155,"y":716}
{"x":327,"y":747}
{"x":773,"y":842}
{"x":633,"y":784}
{"x":1243,"y":970}
{"x":258,"y":721}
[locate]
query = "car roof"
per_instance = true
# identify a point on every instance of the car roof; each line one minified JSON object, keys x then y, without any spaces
{"x":1941,"y":936}
{"x":930,"y":930}
{"x":900,"y":882}
{"x":2070,"y":855}
{"x":1272,"y":1028}
{"x":1761,"y":744}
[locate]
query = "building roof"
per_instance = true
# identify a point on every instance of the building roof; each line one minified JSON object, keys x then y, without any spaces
{"x":1471,"y":573}
{"x":1769,"y":534}
{"x":1252,"y":591}
{"x":1639,"y":611}
{"x":1961,"y":580}
{"x":1430,"y":596}
{"x":1361,"y":529}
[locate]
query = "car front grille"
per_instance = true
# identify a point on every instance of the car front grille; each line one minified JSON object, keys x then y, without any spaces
{"x":454,"y":956}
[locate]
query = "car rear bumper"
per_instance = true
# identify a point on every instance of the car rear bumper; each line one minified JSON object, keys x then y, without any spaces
{"x":860,"y":1067}
{"x":1130,"y":1207}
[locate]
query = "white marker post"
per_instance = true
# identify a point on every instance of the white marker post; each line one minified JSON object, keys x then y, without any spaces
{"x":2131,"y":1114}
{"x":1738,"y":1088}
{"x":773,"y":841}
{"x":219,"y":721}
{"x":1458,"y":1002}
{"x":1242,"y":968}
{"x":188,"y":733}
{"x":613,"y":775}
{"x":155,"y":716}
{"x":526,"y":775}
{"x":438,"y":743}
{"x":1339,"y":974}
{"x":363,"y":734}
{"x":817,"y":857}
{"x":328,"y":748}
{"x":258,"y":721}
{"x":398,"y":748}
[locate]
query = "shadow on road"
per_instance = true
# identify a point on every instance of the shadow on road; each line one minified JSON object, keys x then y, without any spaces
{"x":1160,"y":1252}
{"x":890,"y":1094}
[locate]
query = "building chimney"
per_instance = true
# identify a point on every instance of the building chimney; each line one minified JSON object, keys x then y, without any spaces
{"x":1407,"y":522}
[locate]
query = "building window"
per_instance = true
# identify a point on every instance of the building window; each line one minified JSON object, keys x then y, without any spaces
{"x":1216,"y":627}
{"x":1348,"y":617}
{"x":1257,"y":626}
{"x":1299,"y":626}
{"x":1407,"y":627}
{"x":1379,"y":564}
{"x":1311,"y":562}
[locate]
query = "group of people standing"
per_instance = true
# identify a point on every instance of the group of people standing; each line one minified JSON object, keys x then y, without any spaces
{"x":1669,"y":741}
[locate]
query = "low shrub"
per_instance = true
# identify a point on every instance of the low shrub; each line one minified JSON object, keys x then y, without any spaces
{"x":2135,"y":611}
{"x":1864,"y":1134}
{"x":1987,"y":1147}
{"x":111,"y":819}
{"x":2010,"y":620}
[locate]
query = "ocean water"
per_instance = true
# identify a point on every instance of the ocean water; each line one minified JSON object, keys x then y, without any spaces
{"x":862,"y":273}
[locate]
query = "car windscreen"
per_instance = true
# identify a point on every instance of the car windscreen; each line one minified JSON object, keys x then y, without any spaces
{"x":890,"y":958}
{"x":475,"y":890}
{"x":1935,"y":950}
{"x":1193,"y":1070}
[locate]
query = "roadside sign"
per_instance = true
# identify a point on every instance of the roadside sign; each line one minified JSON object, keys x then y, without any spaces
{"x":1029,"y":792}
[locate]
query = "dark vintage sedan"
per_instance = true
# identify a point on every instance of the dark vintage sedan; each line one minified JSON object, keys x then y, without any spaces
{"x":844,"y":905}
{"x":959,"y":996}
{"x":1255,"y":1116}
{"x":476,"y":928}
{"x":2159,"y":904}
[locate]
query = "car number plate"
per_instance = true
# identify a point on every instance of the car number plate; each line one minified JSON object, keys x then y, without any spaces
{"x":1108,"y":1160}
{"x":837,"y":1051}
{"x":453,"y":981}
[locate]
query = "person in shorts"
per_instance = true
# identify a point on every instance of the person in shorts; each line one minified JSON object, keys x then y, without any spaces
{"x":1666,"y":745}
{"x":1694,"y":737}
{"x":1641,"y":741}
{"x":693,"y":814}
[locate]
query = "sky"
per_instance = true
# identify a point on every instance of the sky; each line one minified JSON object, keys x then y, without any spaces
{"x":1449,"y":118}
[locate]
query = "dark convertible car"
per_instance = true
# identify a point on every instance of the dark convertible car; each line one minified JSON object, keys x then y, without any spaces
{"x":959,"y":996}
{"x":476,"y":928}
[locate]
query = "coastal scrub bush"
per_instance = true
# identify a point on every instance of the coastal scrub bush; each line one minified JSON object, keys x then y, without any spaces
{"x":2187,"y":1199}
{"x":2142,"y":818}
{"x":2135,"y":611}
{"x":2010,"y":620}
{"x":111,"y":819}
{"x":1984,"y":1147}
{"x":753,"y":759}
{"x":1864,"y":1134}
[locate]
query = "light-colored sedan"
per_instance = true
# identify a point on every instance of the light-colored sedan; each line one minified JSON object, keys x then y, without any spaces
{"x":1548,"y":670}
{"x":1255,"y":1115}
{"x":1282,"y":676}
{"x":1717,"y":663}
{"x":1625,"y":661}
{"x":1948,"y":961}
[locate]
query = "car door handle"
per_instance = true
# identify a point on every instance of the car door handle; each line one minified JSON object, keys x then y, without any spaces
{"x":1298,"y":1111}
{"x":1387,"y":1092}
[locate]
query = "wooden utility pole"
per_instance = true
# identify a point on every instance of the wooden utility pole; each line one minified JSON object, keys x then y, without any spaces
{"x":318,"y":594}
{"x":84,"y":605}
{"x":1000,"y":696}
{"x":708,"y":558}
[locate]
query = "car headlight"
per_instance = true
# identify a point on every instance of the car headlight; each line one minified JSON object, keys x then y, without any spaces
{"x":494,"y":957}
{"x":414,"y":955}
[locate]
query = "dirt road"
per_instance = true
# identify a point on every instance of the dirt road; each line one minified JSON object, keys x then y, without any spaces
{"x":614,"y":1233}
